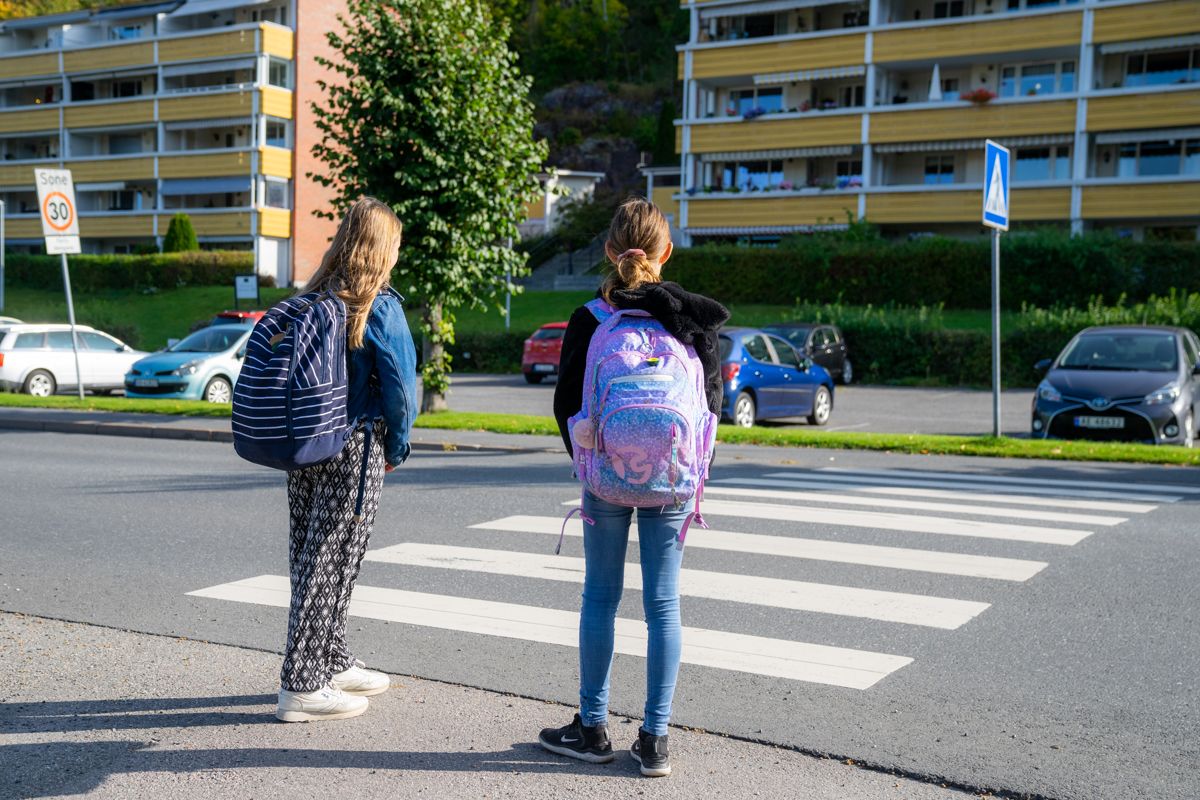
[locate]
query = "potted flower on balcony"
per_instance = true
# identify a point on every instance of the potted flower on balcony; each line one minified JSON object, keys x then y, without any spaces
{"x":979,"y":97}
{"x":786,"y":186}
{"x":754,"y":113}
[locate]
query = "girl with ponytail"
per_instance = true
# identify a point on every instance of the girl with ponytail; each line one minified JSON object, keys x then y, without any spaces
{"x":638,"y":245}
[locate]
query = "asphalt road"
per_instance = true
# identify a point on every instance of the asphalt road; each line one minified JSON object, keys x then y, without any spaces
{"x":1059,"y":662}
{"x":881,"y":409}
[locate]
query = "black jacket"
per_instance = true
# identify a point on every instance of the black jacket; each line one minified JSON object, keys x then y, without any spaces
{"x":692,"y":318}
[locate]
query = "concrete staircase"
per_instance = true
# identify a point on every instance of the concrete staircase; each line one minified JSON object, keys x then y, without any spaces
{"x":569,"y":271}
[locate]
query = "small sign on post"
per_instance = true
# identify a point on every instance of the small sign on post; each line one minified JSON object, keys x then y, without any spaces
{"x":245,"y":287}
{"x":996,"y":172}
{"x":60,"y":226}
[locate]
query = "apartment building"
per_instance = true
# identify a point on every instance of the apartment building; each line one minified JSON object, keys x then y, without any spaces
{"x":802,"y":114}
{"x":157,"y":108}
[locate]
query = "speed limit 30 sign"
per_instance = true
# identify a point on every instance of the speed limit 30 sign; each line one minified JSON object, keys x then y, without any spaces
{"x":56,"y":203}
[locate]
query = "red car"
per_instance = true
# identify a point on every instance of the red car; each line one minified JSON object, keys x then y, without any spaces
{"x":237,"y":318}
{"x":542,"y":352}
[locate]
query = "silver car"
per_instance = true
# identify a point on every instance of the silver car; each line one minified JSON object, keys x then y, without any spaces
{"x":37,"y":359}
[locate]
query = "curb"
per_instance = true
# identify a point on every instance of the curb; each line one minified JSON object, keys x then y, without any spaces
{"x":202,"y":435}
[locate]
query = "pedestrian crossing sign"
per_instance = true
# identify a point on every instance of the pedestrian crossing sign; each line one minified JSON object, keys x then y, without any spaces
{"x":996,"y":174}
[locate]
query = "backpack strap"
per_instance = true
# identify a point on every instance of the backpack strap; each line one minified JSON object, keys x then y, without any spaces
{"x":600,"y":309}
{"x":563,"y":531}
{"x":694,"y":516}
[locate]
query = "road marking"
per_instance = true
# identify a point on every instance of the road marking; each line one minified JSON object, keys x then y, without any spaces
{"x":800,"y":661}
{"x":999,"y":488}
{"x":878,"y":520}
{"x":1005,"y":569}
{"x":914,"y":505}
{"x":825,"y":482}
{"x":973,"y":476}
{"x":821,"y":598}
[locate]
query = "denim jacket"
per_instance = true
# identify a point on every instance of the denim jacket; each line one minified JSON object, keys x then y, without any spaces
{"x":383,"y":375}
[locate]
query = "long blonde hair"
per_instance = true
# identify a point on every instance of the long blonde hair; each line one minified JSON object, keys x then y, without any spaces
{"x":637,"y":239}
{"x":358,"y":264}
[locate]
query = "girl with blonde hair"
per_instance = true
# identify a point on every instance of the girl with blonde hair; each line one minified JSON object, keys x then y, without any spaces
{"x":333,"y":504}
{"x":638,"y":245}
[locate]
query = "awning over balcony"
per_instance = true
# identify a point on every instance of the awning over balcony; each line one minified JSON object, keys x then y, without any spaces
{"x":762,"y":155}
{"x":209,"y":6}
{"x":1165,"y":43}
{"x":762,"y":7}
{"x":140,"y":10}
{"x":764,"y":230}
{"x":110,"y":186}
{"x":973,"y":144}
{"x":48,"y":21}
{"x":809,"y":75}
{"x":230,"y":185}
{"x":1159,"y":135}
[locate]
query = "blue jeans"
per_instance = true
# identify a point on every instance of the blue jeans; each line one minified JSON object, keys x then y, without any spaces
{"x":604,"y":546}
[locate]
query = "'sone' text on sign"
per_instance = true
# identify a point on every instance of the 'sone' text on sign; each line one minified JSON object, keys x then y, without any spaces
{"x":56,"y":204}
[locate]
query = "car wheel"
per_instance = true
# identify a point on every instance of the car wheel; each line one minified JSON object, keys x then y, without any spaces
{"x":218,"y":391}
{"x":531,"y":378}
{"x":40,"y":383}
{"x":847,"y":372}
{"x":822,"y":406}
{"x":744,"y":411}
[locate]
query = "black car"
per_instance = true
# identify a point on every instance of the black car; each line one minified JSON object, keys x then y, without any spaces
{"x":1121,"y":383}
{"x":824,"y":344}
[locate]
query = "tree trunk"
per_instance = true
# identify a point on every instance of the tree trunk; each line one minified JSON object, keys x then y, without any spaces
{"x":433,"y":398}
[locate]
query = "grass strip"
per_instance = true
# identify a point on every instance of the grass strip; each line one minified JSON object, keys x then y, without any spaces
{"x":526,"y":424}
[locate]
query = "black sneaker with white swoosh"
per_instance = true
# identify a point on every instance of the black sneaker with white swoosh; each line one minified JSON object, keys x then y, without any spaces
{"x":579,"y":741}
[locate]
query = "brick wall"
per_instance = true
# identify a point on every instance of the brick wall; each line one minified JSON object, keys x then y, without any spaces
{"x":310,"y":234}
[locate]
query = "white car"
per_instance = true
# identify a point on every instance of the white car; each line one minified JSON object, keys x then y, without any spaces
{"x":37,"y":359}
{"x":6,"y":321}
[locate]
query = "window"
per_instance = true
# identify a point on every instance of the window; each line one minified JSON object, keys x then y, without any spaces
{"x":948,"y":8}
{"x":939,"y":169}
{"x":277,"y":134}
{"x":756,"y":348}
{"x":949,"y":88}
{"x":1167,"y":157}
{"x":125,"y":200}
{"x":1030,"y":80}
{"x":125,"y":32}
{"x":820,"y":338}
{"x":127,"y":88}
{"x":1163,"y":67}
{"x":548,"y":333}
{"x":1042,"y":164}
{"x":276,"y":194}
{"x":98,"y":341}
{"x":59,"y":340}
{"x":279,"y":74}
{"x":1160,"y":158}
{"x":30,"y":341}
{"x":752,"y":175}
{"x":122,"y":144}
{"x":849,"y":174}
{"x":742,"y":101}
{"x":852,"y":96}
{"x":787,"y":354}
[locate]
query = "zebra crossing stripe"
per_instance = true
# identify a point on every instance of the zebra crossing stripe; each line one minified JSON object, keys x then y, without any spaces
{"x":913,"y":505}
{"x":1005,"y":569}
{"x":995,"y":488}
{"x":824,"y":483}
{"x":1122,"y":486}
{"x":778,"y":658}
{"x":822,"y":598}
{"x":880,"y":520}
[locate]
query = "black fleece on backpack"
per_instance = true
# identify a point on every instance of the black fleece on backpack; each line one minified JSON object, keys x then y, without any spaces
{"x":691,"y":318}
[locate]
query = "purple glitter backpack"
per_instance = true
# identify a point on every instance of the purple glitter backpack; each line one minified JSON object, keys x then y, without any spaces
{"x":644,"y":435}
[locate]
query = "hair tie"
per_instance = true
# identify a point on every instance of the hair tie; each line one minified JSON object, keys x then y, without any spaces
{"x":633,"y":251}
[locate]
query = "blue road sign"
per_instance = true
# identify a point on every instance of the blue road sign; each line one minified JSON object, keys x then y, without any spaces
{"x":996,"y":161}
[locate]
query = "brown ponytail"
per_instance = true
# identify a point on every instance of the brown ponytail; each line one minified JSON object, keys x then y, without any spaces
{"x":637,"y":240}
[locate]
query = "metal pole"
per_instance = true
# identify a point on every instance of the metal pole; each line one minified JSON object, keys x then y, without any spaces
{"x":71,"y":319}
{"x":996,"y":332}
{"x":508,"y":291}
{"x":3,"y":243}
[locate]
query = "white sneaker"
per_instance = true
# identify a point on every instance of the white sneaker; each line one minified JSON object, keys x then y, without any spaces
{"x":327,"y":703}
{"x":360,"y":681}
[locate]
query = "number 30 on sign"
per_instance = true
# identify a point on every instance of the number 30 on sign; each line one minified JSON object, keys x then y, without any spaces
{"x":56,"y":202}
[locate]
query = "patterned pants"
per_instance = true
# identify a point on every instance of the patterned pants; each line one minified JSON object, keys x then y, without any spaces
{"x":327,"y":548}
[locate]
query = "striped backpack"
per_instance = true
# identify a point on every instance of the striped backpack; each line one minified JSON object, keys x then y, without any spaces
{"x":289,"y":405}
{"x":644,"y":436}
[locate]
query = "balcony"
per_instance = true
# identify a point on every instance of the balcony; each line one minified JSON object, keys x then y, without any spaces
{"x":998,"y":118}
{"x":721,"y":211}
{"x":106,"y":113}
{"x":744,"y":58}
{"x":27,"y":120}
{"x":1160,"y":109}
{"x":926,"y":41}
{"x":1134,"y":199}
{"x":1143,"y":21}
{"x":963,"y":204}
{"x":109,"y":56}
{"x":810,"y":129}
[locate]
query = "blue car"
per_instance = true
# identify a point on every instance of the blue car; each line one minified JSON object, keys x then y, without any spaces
{"x":203,"y":366}
{"x":766,"y":378}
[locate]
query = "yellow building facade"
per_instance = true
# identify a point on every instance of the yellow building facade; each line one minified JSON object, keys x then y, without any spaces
{"x":157,"y":109}
{"x":802,"y":114}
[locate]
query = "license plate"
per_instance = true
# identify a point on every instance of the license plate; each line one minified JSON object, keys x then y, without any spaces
{"x":543,"y":368}
{"x":1099,"y":422}
{"x":149,"y":383}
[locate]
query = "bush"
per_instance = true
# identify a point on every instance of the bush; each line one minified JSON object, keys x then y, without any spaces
{"x":1046,"y":269}
{"x":156,"y":271}
{"x":488,"y":352}
{"x":181,"y":236}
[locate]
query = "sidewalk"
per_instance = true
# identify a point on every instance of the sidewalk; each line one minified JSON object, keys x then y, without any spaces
{"x":104,"y":713}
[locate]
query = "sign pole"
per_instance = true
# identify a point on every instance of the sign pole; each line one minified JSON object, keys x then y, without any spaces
{"x":3,"y":244}
{"x":71,"y":319}
{"x":996,"y":332}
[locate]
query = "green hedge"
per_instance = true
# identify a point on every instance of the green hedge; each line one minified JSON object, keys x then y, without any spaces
{"x":913,"y":346}
{"x":1045,"y":269}
{"x":158,"y":270}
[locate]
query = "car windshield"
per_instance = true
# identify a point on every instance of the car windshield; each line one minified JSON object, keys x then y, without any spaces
{"x":549,"y":333}
{"x":1154,"y":352}
{"x":796,"y":335}
{"x":209,"y":340}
